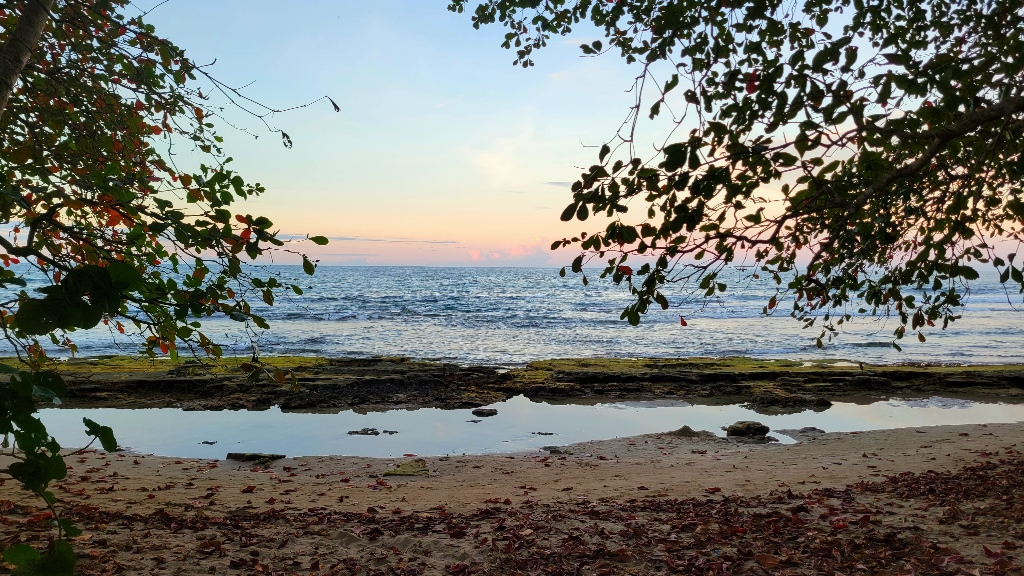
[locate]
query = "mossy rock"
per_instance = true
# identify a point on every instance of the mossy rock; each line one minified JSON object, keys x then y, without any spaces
{"x":417,"y":467}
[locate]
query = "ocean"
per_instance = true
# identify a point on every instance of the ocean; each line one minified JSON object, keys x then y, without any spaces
{"x":510,"y":316}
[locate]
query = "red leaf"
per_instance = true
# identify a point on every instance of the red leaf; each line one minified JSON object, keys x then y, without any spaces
{"x":40,"y":518}
{"x":752,"y":82}
{"x":991,"y":554}
{"x":767,"y":560}
{"x":682,"y":321}
{"x":737,"y":530}
{"x":625,"y":270}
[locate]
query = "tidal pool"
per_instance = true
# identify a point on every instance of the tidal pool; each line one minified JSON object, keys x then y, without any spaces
{"x":521,"y":424}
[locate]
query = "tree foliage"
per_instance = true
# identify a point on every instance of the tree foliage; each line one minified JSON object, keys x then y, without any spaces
{"x":865,"y":155}
{"x":115,"y":188}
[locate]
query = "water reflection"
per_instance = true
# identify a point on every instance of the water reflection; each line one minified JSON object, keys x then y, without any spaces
{"x":521,"y":424}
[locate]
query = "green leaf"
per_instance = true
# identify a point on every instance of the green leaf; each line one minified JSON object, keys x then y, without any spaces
{"x":125,"y":276}
{"x":70,"y":530}
{"x":34,"y":317}
{"x":105,"y":434}
{"x":319,"y":240}
{"x":308,"y":266}
{"x":58,"y":560}
{"x":21,"y":555}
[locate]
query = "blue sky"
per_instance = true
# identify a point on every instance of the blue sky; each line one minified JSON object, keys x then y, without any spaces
{"x":443,"y":153}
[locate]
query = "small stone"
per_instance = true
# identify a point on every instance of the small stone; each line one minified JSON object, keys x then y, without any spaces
{"x":365,"y":432}
{"x":475,"y":421}
{"x":812,"y":430}
{"x":686,"y":432}
{"x":390,"y":432}
{"x":209,"y":442}
{"x":747,"y":428}
{"x":484,"y":412}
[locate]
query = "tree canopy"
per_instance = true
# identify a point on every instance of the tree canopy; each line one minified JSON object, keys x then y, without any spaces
{"x":864,"y":155}
{"x":115,"y":189}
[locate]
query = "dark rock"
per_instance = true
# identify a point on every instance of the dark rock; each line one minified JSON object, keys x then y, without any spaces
{"x":209,"y":442}
{"x":365,"y":432}
{"x":687,"y":432}
{"x":475,"y":421}
{"x":484,"y":412}
{"x":543,"y":433}
{"x":747,"y":428}
{"x":252,"y":456}
{"x":805,"y":434}
{"x":390,"y":432}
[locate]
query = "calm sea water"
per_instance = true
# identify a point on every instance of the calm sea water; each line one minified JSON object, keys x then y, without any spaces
{"x":510,"y":316}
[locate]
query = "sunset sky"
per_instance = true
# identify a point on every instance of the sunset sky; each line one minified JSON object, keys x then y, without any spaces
{"x":443,"y":152}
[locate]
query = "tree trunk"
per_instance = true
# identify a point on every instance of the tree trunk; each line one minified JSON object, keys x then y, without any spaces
{"x":19,"y":46}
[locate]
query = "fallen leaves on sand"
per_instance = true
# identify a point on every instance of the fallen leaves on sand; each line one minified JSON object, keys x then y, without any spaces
{"x":924,"y":524}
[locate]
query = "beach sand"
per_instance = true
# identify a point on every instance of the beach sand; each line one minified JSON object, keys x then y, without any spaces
{"x":533,"y":513}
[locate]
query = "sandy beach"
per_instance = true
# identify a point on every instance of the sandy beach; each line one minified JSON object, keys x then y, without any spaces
{"x":513,"y":513}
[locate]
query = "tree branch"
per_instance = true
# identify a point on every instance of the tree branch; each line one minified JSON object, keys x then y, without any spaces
{"x":16,"y":52}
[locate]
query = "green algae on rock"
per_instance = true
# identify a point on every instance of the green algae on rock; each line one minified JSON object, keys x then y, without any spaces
{"x":371,"y":384}
{"x":417,"y":467}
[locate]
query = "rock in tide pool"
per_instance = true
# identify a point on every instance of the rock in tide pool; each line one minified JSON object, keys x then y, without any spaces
{"x":252,"y":456}
{"x":365,"y":432}
{"x":484,"y":412}
{"x":804,"y":434}
{"x":747,"y":428}
{"x":687,"y":432}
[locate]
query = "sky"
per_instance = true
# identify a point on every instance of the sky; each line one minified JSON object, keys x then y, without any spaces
{"x":444,"y":153}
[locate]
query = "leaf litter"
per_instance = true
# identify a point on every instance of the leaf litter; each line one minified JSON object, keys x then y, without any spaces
{"x":945,"y":523}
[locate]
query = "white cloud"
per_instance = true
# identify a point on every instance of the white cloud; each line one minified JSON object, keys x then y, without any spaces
{"x":505,"y":162}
